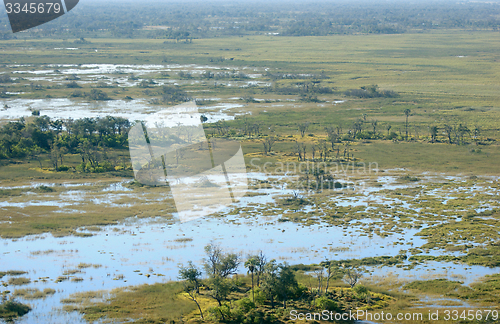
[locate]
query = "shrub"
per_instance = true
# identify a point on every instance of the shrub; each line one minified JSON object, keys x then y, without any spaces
{"x":72,"y":85}
{"x":64,"y":168}
{"x":77,"y":94}
{"x":245,"y":304}
{"x":44,"y":189}
{"x":260,"y":296}
{"x":325,"y":303}
{"x":360,"y":289}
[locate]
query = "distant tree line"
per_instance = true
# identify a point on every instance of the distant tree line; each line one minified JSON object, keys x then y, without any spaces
{"x":191,"y":20}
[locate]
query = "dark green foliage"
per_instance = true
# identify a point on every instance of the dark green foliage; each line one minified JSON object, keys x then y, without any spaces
{"x":370,"y":92}
{"x":324,"y":303}
{"x":89,"y":137}
{"x":12,"y":309}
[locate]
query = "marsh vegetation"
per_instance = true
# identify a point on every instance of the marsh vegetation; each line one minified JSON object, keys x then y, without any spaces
{"x":372,"y":164}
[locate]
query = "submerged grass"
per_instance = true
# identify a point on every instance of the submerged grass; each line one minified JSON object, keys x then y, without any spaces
{"x":34,"y":293}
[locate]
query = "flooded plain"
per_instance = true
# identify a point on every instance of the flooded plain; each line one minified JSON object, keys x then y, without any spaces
{"x":149,"y":250}
{"x":370,"y":216}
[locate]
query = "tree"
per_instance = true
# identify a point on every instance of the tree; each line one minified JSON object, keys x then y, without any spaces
{"x":449,"y":132}
{"x":268,"y":144}
{"x":357,"y":126}
{"x":462,"y":130}
{"x":476,"y":133}
{"x":179,"y":154}
{"x":319,"y":274}
{"x":55,"y":155}
{"x":192,"y":295}
{"x":286,"y":282}
{"x":219,"y":289}
{"x":374,"y":125}
{"x":191,"y":274}
{"x":389,"y":129}
{"x":332,"y":137}
{"x":261,"y":263}
{"x":251,"y":265}
{"x":329,"y":274}
{"x":434,"y":132}
{"x":407,"y":113}
{"x":278,"y":281}
{"x":303,"y":128}
{"x":300,"y":149}
{"x":270,"y":280}
{"x":352,"y":275}
{"x":219,"y":263}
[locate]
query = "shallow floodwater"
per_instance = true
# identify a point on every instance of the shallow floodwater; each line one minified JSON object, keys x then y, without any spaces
{"x":130,"y":109}
{"x":119,"y":256}
{"x":123,"y":75}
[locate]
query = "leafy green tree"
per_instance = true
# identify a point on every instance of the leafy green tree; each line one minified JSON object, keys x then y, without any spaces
{"x":251,"y":265}
{"x":270,"y":282}
{"x":219,"y":263}
{"x":287,"y":283}
{"x":191,"y":274}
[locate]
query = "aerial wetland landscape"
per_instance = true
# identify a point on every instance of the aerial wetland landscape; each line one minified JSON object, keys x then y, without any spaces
{"x":371,"y":170}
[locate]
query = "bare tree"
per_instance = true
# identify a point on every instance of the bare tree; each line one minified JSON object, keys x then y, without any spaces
{"x":268,"y":144}
{"x":407,"y":113}
{"x":352,"y":275}
{"x":449,"y":132}
{"x":374,"y":125}
{"x":303,"y":128}
{"x":329,"y":275}
{"x":319,"y":274}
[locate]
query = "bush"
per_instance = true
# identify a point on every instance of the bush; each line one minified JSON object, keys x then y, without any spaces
{"x":324,"y":303}
{"x":77,"y":94}
{"x":73,"y":85}
{"x":245,"y":304}
{"x":5,"y":78}
{"x":260,"y":296}
{"x":64,"y":168}
{"x":216,"y":313}
{"x":44,"y":189}
{"x":96,"y":94}
{"x":360,"y":289}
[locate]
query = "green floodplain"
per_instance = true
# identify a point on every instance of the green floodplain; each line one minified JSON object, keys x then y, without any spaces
{"x":419,"y":108}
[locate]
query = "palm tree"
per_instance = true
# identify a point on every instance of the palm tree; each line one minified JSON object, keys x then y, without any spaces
{"x":251,"y":265}
{"x":407,"y":113}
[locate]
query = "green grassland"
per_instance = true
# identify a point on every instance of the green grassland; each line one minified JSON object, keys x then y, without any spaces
{"x":444,"y":78}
